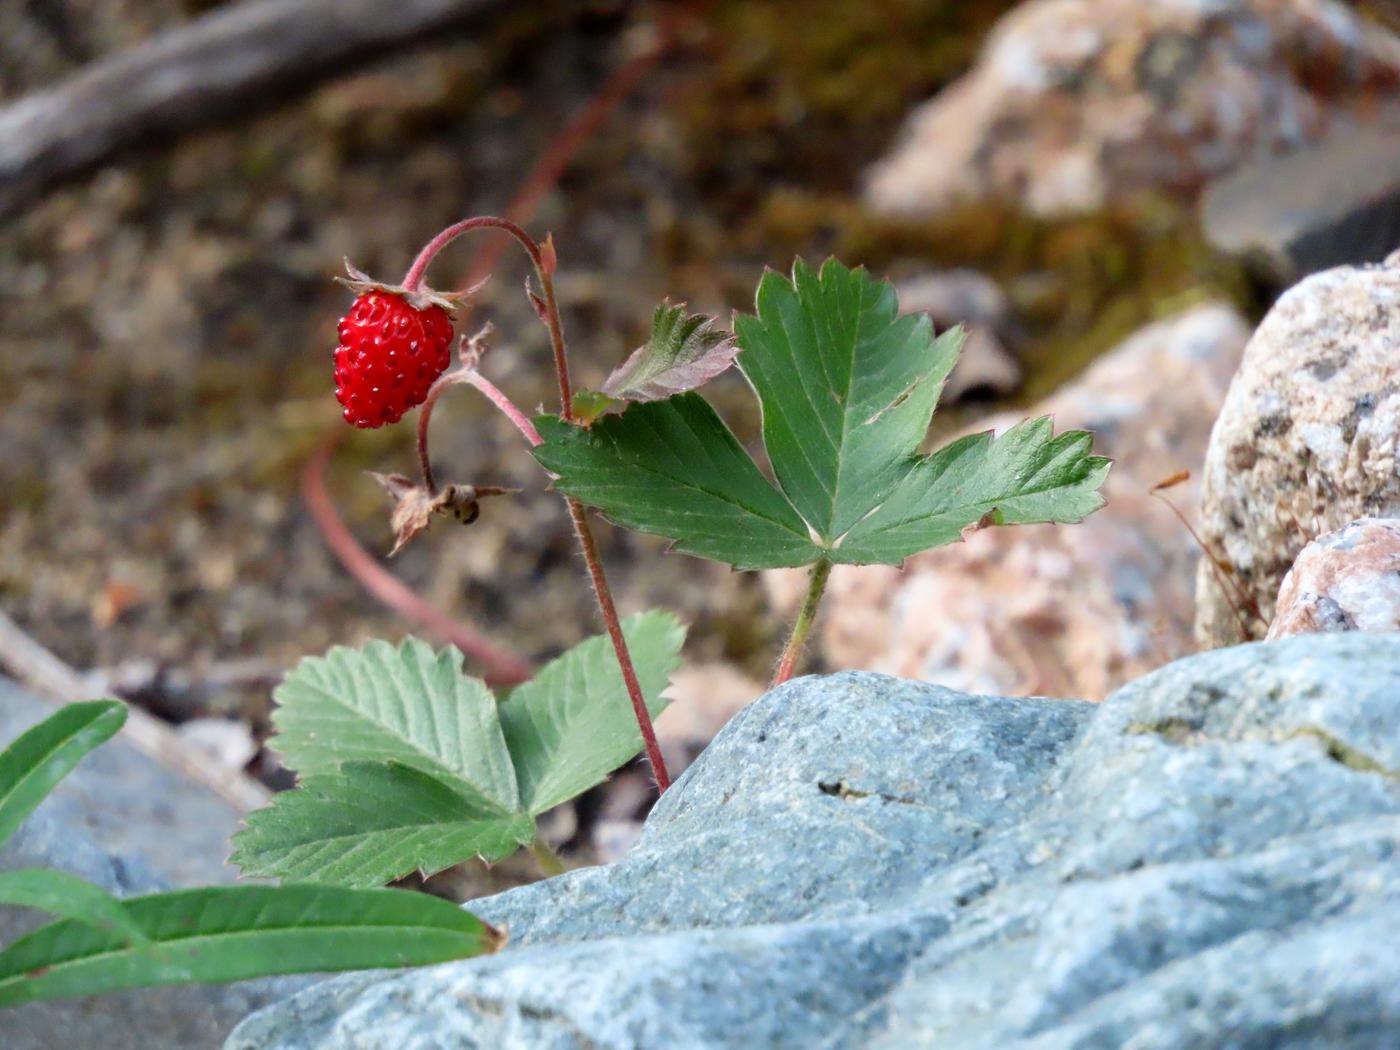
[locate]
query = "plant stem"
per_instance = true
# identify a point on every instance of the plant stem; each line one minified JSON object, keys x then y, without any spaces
{"x":546,"y":858}
{"x":550,"y":316}
{"x":802,"y":626}
{"x":589,"y":546}
{"x":556,"y":343}
{"x":414,"y":278}
{"x":624,"y":657}
{"x":494,"y":394}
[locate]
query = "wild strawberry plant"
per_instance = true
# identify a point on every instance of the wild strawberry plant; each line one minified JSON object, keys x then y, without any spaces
{"x":408,"y":764}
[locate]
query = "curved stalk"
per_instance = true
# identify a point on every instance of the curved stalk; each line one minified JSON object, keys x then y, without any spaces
{"x":549,"y":314}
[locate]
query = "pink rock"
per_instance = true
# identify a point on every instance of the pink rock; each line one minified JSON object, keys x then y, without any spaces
{"x":1075,"y":103}
{"x":1348,"y":580}
{"x":1063,"y":610}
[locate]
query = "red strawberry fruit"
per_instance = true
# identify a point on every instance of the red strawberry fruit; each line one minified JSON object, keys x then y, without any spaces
{"x":394,"y":344}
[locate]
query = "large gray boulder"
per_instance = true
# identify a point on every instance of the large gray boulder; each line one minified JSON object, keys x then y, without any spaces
{"x":1210,"y":858}
{"x":131,"y":826}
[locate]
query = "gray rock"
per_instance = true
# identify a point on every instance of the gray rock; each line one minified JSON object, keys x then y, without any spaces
{"x":1348,"y":580}
{"x":125,"y":823}
{"x":1332,"y":203}
{"x":1305,"y":442}
{"x":1210,"y":858}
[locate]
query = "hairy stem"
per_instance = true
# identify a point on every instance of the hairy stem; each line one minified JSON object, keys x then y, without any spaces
{"x":624,"y":657}
{"x":589,"y":546}
{"x":549,"y":314}
{"x":556,"y":343}
{"x":802,"y":626}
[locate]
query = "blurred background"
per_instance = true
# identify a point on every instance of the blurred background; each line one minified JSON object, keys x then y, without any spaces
{"x":181,"y":179}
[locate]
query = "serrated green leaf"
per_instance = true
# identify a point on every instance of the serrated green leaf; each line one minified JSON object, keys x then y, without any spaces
{"x":1027,"y":475}
{"x":847,"y":386}
{"x":406,"y":704}
{"x":369,"y":824}
{"x":673,"y":468}
{"x":59,"y":893}
{"x":42,"y":756}
{"x":231,"y":933}
{"x":572,"y":724}
{"x":684,"y":352}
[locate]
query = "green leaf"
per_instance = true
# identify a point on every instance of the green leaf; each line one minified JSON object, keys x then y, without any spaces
{"x":230,"y":933}
{"x":369,"y":824}
{"x":391,"y":783}
{"x":848,"y":388}
{"x":67,"y":895}
{"x":1027,"y":475}
{"x":572,"y":724}
{"x":406,"y":704}
{"x":41,"y":757}
{"x":684,"y":352}
{"x":673,"y":468}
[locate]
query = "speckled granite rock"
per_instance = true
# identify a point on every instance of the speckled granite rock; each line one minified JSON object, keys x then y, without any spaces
{"x":132,"y":826}
{"x":1211,"y":858}
{"x":1075,"y":103}
{"x":1306,"y":440}
{"x":1348,"y":580}
{"x":1061,"y":610}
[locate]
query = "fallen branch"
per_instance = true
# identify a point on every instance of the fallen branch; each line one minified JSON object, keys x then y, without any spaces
{"x":229,"y":61}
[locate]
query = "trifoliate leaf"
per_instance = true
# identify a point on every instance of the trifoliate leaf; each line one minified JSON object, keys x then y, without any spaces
{"x":371,"y":823}
{"x":404,"y":758}
{"x":406,"y":704}
{"x":847,"y":388}
{"x":572,"y":724}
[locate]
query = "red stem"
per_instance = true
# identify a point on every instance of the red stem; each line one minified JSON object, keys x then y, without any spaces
{"x":624,"y":657}
{"x":414,"y":278}
{"x":550,"y":316}
{"x":471,"y":377}
{"x":500,"y":666}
